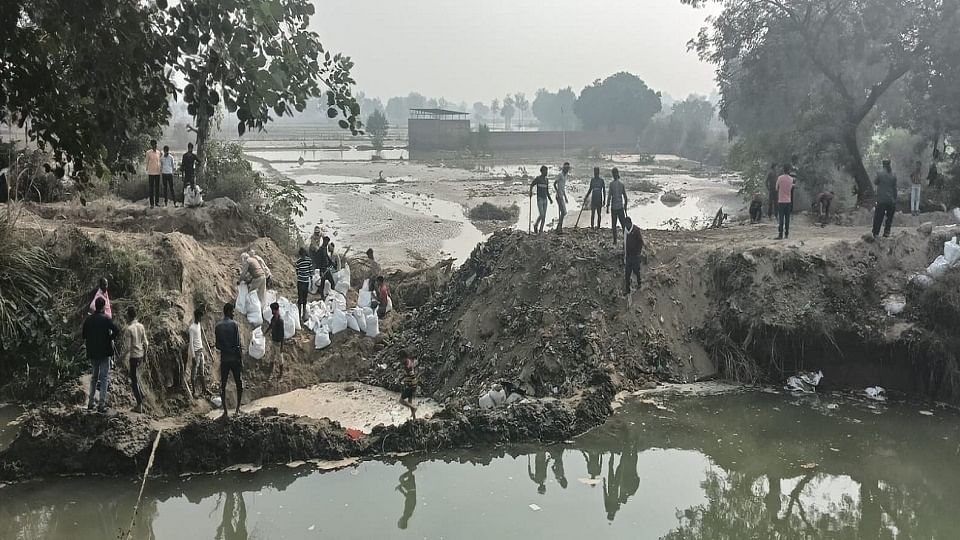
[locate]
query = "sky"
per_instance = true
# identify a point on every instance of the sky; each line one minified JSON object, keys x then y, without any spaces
{"x":480,"y":50}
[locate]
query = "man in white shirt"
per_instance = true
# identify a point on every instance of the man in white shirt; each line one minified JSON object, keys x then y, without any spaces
{"x":166,"y":174}
{"x":198,"y":378}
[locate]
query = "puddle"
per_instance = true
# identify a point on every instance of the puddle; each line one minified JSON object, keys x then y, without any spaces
{"x":315,"y":155}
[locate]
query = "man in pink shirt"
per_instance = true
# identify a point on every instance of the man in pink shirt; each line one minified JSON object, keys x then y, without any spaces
{"x":784,"y":202}
{"x":153,"y":173}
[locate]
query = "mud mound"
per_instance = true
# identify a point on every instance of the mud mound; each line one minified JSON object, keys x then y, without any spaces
{"x":547,"y":314}
{"x":218,"y":220}
{"x":486,"y":211}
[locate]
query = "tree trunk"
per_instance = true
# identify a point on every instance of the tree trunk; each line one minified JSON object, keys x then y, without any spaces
{"x":856,"y":168}
{"x":203,"y":136}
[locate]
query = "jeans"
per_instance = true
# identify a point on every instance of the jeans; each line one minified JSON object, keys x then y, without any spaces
{"x":883,"y":215}
{"x":618,"y":214}
{"x":153,"y":182}
{"x":783,"y":215}
{"x":228,"y":366}
{"x":134,"y":381}
{"x":303,"y":288}
{"x":772,"y":203}
{"x":542,"y":219}
{"x":631,"y":266}
{"x":168,"y":184}
{"x":100,"y":377}
{"x":915,"y":198}
{"x":198,"y":371}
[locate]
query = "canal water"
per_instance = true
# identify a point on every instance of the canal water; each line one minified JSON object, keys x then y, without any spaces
{"x":742,"y":465}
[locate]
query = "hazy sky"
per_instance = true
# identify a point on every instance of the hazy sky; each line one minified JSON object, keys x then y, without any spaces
{"x":482,"y":49}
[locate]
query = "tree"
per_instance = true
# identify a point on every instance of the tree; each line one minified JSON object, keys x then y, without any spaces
{"x":555,"y":111}
{"x":495,"y":108}
{"x":822,"y":64}
{"x":377,"y":127}
{"x":480,"y":112}
{"x":522,"y":103}
{"x":258,"y":59}
{"x":84,"y":77}
{"x":621,"y":100}
{"x":507,"y":111}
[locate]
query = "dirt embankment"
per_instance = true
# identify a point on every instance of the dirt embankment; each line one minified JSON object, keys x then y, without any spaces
{"x":546,"y":314}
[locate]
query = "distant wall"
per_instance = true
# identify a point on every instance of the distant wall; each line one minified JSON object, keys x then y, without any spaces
{"x":427,"y":134}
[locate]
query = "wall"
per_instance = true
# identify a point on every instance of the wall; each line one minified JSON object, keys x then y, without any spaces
{"x":427,"y":134}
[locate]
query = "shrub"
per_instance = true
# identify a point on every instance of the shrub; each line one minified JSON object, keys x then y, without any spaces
{"x":489,"y":212}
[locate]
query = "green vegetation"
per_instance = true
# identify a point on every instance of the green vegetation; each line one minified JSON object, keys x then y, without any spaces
{"x":486,"y":211}
{"x":507,"y":110}
{"x":621,"y":100}
{"x":377,"y":127}
{"x":816,"y":79}
{"x":555,"y":110}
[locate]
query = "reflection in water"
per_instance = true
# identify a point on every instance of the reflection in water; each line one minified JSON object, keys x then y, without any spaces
{"x":735,"y":466}
{"x":408,"y":488}
{"x":233,"y":524}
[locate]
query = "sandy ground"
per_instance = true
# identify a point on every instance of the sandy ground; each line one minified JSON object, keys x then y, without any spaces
{"x":353,"y":405}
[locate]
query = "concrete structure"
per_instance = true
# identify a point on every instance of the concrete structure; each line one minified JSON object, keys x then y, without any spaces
{"x":437,"y":129}
{"x":432,"y":130}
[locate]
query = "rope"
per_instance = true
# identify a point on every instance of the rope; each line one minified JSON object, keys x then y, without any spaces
{"x":143,"y":483}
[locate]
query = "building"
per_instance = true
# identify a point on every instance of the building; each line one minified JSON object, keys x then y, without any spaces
{"x":437,"y":129}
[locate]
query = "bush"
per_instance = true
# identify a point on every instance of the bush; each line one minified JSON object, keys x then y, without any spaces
{"x":489,"y":212}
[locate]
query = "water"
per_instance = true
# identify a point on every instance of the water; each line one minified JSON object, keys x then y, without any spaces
{"x":8,"y":413}
{"x":729,"y":466}
{"x":315,"y":155}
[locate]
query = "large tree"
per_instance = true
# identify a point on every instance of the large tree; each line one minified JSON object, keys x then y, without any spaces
{"x":85,"y":76}
{"x":555,"y":110}
{"x":621,"y":100}
{"x":377,"y":127}
{"x":259,"y":59}
{"x":507,"y":111}
{"x":817,"y":69}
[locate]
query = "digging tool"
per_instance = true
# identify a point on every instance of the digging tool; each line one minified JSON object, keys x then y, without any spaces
{"x":529,"y":214}
{"x":582,"y":208}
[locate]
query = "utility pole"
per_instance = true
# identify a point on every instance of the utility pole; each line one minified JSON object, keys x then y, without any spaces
{"x":563,"y":129}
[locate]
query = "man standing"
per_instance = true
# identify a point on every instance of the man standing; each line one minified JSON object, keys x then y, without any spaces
{"x":227,"y":335}
{"x":784,"y":202}
{"x":410,"y":383}
{"x":275,"y":328}
{"x":596,"y":195}
{"x":198,"y":375}
{"x":134,"y":351}
{"x":304,"y":273}
{"x":99,"y":333}
{"x":166,"y":174}
{"x":772,"y":191}
{"x":916,"y":179}
{"x":559,"y":186}
{"x":543,"y":195}
{"x":617,"y":203}
{"x":188,"y":167}
{"x":153,"y":173}
{"x":632,"y":247}
{"x":886,"y":183}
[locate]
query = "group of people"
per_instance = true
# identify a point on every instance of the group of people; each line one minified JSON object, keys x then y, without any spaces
{"x":598,"y":195}
{"x":160,"y":170}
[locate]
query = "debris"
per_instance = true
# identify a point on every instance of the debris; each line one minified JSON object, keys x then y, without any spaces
{"x":926,"y":413}
{"x":592,"y":482}
{"x":894,"y":304}
{"x":809,"y":466}
{"x":805,"y":383}
{"x":534,"y":507}
{"x":876,"y":393}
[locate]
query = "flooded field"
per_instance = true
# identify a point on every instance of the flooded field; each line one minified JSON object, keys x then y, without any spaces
{"x":741,"y":465}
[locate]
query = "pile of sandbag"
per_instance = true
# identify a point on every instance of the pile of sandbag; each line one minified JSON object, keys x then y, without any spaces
{"x":498,"y":397}
{"x":949,"y":259}
{"x":248,"y":304}
{"x":331,"y":316}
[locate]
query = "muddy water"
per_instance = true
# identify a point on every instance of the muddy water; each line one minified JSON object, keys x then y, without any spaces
{"x":727,"y":466}
{"x":314,"y":155}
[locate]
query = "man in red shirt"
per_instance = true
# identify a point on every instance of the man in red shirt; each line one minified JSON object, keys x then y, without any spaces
{"x":632,"y":247}
{"x":784,"y":202}
{"x":381,"y":300}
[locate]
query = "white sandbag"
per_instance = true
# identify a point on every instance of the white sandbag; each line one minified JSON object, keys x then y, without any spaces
{"x":322,"y":341}
{"x":364,"y":298}
{"x":338,"y":322}
{"x":921,"y":280}
{"x":271,"y":297}
{"x":938,"y":267}
{"x":486,"y":402}
{"x":367,"y":311}
{"x":951,"y":252}
{"x":258,"y":344}
{"x":342,"y":277}
{"x":315,"y":282}
{"x":289,"y":323}
{"x":241,"y":304}
{"x":285,"y":307}
{"x":498,"y":396}
{"x":352,"y":323}
{"x":389,"y":304}
{"x":361,"y":319}
{"x":193,"y":196}
{"x":336,"y":301}
{"x":894,"y":304}
{"x":254,"y":312}
{"x":373,"y":326}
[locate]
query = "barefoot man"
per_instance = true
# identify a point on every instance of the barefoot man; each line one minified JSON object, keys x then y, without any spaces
{"x":409,"y":383}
